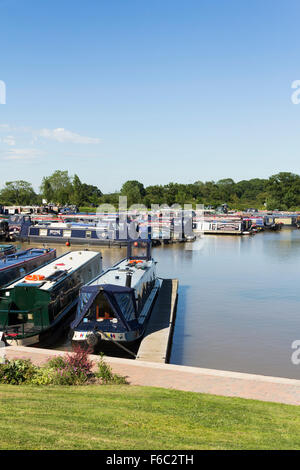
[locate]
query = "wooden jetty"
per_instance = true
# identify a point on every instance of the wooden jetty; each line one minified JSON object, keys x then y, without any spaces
{"x":156,"y":344}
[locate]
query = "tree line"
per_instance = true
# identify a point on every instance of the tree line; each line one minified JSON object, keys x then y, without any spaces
{"x":280,"y":191}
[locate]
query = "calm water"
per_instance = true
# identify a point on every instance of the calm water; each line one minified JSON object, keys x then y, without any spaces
{"x":239,"y":300}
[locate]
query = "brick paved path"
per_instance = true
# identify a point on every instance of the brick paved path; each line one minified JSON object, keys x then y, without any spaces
{"x":194,"y":379}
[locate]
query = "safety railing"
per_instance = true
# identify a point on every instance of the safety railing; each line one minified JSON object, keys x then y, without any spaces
{"x":23,"y":328}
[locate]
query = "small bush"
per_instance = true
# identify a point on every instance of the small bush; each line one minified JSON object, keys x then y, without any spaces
{"x":78,"y":361}
{"x":73,"y":369}
{"x":57,"y":362}
{"x":106,"y":375}
{"x":43,"y":376}
{"x":68,"y":377}
{"x":17,"y":371}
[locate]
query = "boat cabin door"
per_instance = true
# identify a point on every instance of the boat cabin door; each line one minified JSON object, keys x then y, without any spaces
{"x":139,"y":249}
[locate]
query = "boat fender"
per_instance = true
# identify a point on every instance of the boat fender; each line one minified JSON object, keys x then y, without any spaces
{"x":92,"y":339}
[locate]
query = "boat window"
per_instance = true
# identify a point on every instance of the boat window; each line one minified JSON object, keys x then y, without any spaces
{"x":83,"y":300}
{"x":100,"y":309}
{"x":139,"y":251}
{"x":126,"y":306}
{"x":22,"y":272}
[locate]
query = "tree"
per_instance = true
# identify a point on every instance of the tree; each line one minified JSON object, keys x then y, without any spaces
{"x":134,"y":191}
{"x":47,"y":191}
{"x":154,"y":195}
{"x":57,"y":188}
{"x":77,"y":194}
{"x":90,"y":194}
{"x":18,"y":192}
{"x":284,"y":190}
{"x":226,"y":189}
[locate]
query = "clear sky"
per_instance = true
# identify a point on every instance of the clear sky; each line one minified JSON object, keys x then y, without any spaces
{"x":158,"y":91}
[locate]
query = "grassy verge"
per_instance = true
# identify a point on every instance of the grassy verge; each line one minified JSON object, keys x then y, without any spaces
{"x":121,"y":417}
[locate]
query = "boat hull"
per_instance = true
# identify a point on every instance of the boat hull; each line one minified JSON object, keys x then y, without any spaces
{"x":76,"y":241}
{"x":47,"y":337}
{"x":99,"y":343}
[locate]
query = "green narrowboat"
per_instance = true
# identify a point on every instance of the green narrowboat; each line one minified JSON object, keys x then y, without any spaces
{"x":33,"y":308}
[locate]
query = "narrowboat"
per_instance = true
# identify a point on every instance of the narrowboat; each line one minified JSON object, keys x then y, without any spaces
{"x":271,"y":223}
{"x":18,"y":226}
{"x":4,"y":230}
{"x":220,"y":226}
{"x":288,"y":220}
{"x":7,"y":250}
{"x":36,"y":307}
{"x":256,"y":223}
{"x":95,"y":233}
{"x":116,"y":306}
{"x":16,"y":265}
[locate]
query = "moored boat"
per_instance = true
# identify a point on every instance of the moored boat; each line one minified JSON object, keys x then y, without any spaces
{"x":271,"y":223}
{"x":93,"y":233}
{"x":7,"y":250}
{"x":222,"y":226}
{"x":4,"y":230}
{"x":18,"y":264}
{"x":33,"y":308}
{"x":116,"y":306}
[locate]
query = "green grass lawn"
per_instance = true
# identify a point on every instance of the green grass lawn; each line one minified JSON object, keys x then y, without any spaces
{"x":125,"y":417}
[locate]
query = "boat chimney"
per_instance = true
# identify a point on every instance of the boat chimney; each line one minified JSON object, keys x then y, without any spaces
{"x":128,"y":279}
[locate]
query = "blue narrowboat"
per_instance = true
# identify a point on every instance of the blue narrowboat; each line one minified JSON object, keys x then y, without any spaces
{"x":7,"y":250}
{"x":116,"y":306}
{"x":107,"y":232}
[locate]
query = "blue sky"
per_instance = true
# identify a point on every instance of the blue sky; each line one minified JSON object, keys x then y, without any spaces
{"x":157,"y":91}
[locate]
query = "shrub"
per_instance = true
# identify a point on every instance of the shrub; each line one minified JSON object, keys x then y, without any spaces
{"x":57,"y":362}
{"x":67,"y":377}
{"x":43,"y":376}
{"x":17,"y":371}
{"x":73,"y":369}
{"x":79,"y":361}
{"x":106,"y":375}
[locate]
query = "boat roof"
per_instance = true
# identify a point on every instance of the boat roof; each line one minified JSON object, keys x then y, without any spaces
{"x":22,"y":256}
{"x":5,"y":247}
{"x":67,"y":263}
{"x":117,"y":274}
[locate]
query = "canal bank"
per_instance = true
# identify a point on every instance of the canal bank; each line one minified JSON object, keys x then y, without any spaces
{"x":193,"y":379}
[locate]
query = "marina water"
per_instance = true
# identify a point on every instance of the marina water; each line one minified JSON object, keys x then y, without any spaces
{"x":238,"y":300}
